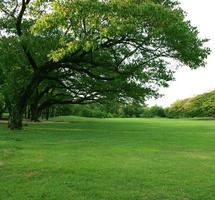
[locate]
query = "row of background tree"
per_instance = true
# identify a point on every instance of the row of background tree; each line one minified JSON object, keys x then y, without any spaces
{"x":199,"y":106}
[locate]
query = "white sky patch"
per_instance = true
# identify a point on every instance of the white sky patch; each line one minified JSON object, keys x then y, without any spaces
{"x":189,"y":82}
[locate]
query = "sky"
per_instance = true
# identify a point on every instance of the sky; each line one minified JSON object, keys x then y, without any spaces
{"x":189,"y":82}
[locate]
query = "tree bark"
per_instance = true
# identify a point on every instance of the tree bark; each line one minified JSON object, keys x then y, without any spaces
{"x":17,"y":110}
{"x":34,"y":114}
{"x":15,"y":118}
{"x":47,"y":113}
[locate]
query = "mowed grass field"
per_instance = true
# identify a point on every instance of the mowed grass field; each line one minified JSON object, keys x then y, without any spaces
{"x":109,"y":159}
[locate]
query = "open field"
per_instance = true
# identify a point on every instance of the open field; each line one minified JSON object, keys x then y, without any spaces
{"x":109,"y":159}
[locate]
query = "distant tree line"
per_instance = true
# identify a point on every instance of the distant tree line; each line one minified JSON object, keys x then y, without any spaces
{"x":202,"y":105}
{"x":107,"y":110}
{"x":97,"y":110}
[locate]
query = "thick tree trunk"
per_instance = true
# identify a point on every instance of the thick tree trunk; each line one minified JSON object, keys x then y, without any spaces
{"x":15,"y":118}
{"x":16,"y":112}
{"x":47,"y":113}
{"x":34,"y":114}
{"x":29,"y":113}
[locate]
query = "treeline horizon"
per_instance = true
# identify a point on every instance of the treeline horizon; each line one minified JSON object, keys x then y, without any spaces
{"x":198,"y":106}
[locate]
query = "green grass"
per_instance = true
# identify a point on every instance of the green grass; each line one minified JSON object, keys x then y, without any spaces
{"x":109,"y":159}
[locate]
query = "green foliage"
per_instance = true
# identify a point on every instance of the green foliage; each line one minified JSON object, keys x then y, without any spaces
{"x":142,"y":111}
{"x":2,"y":104}
{"x":2,"y":99}
{"x":132,"y":110}
{"x":115,"y":109}
{"x":131,"y":37}
{"x":93,"y":50}
{"x":154,"y":111}
{"x":94,"y":110}
{"x":199,"y":106}
{"x":15,"y":72}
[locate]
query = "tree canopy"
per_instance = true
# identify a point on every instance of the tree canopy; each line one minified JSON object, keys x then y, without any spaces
{"x":199,"y":106}
{"x":92,"y":50}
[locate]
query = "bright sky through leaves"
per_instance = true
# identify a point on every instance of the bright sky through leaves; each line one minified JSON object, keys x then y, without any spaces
{"x":192,"y":82}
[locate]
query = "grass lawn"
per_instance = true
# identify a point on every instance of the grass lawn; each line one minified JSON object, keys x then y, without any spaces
{"x":109,"y":159}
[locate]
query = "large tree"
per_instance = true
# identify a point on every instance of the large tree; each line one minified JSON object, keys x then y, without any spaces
{"x":109,"y":48}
